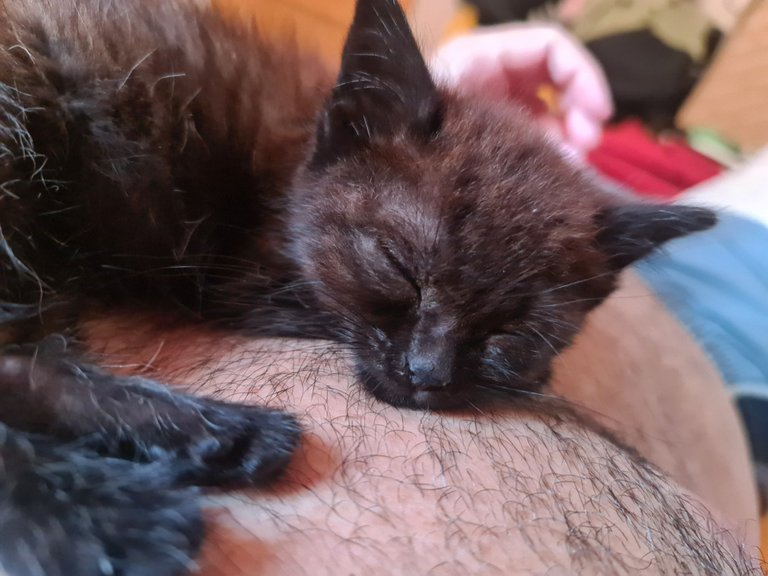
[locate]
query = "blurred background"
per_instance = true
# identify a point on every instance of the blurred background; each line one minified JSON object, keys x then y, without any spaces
{"x":688,"y":77}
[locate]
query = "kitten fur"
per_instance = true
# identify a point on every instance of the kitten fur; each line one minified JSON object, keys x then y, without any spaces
{"x":153,"y":154}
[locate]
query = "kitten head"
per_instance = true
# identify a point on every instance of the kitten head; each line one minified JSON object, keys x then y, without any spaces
{"x":457,"y":248}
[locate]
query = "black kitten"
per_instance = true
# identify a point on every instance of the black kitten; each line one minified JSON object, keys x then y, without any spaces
{"x":152,"y":154}
{"x":457,"y":249}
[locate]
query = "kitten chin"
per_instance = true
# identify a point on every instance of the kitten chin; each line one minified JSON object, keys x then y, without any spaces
{"x":403,"y":395}
{"x":471,"y":393}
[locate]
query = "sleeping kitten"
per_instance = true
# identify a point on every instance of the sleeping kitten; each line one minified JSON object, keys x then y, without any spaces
{"x":455,"y":247}
{"x":151,"y":154}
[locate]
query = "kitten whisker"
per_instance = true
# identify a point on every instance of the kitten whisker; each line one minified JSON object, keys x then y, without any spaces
{"x":544,"y":338}
{"x":133,"y":69}
{"x":577,"y":282}
{"x":569,"y":302}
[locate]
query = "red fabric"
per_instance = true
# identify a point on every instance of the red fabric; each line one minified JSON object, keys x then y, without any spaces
{"x":632,"y":156}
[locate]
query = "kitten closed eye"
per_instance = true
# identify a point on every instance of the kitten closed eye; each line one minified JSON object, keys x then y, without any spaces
{"x":388,"y":310}
{"x":398,"y":264}
{"x":515,"y":315}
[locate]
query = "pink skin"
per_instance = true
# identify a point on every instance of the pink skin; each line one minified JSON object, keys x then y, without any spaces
{"x":570,"y":10}
{"x":513,"y":61}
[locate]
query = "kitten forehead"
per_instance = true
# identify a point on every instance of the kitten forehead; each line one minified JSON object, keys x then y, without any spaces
{"x":486,"y":203}
{"x":414,"y":221}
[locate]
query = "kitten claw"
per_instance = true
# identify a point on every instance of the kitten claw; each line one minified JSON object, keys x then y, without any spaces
{"x":246,"y":445}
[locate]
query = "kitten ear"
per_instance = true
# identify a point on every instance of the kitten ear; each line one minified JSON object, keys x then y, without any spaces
{"x":383,"y":87}
{"x":631,"y":232}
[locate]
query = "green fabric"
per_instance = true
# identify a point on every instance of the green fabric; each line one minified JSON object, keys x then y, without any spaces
{"x":710,"y":144}
{"x":679,"y":24}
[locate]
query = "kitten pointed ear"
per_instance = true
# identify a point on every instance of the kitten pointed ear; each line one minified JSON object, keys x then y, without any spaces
{"x":383,"y":87}
{"x":629,"y":233}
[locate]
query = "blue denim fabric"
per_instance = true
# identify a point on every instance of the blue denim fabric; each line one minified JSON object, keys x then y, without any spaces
{"x":716,"y":284}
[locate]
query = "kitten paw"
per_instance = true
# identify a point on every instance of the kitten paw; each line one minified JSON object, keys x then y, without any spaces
{"x":208,"y":442}
{"x":68,"y":512}
{"x":242,"y":445}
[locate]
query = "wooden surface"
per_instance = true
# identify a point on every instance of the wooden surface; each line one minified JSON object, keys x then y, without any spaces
{"x":731,"y":98}
{"x":319,"y":26}
{"x":322,"y":26}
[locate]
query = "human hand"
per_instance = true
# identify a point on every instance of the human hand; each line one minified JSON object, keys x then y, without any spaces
{"x":516,"y":61}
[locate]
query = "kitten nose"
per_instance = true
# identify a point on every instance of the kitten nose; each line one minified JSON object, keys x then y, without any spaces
{"x":426,"y":374}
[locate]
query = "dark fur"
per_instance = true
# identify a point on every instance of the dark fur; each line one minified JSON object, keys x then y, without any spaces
{"x":153,"y":155}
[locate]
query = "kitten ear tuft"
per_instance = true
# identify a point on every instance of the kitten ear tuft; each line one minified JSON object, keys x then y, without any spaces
{"x":631,"y":232}
{"x":384,"y":85}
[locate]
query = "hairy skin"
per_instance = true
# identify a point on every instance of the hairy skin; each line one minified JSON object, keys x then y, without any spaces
{"x":528,"y":490}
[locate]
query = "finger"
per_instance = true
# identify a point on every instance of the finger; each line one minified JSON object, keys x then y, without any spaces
{"x":517,"y":46}
{"x":483,"y":77}
{"x":485,"y":69}
{"x":581,"y":130}
{"x":579,"y":78}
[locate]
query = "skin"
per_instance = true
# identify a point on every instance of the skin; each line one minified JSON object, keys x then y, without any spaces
{"x":512,"y":62}
{"x":379,"y":490}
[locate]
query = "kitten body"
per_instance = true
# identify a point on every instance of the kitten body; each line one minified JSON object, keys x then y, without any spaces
{"x":155,"y":155}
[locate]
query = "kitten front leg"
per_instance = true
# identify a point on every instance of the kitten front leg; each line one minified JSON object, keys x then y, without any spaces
{"x":66,"y":511}
{"x":219,"y":444}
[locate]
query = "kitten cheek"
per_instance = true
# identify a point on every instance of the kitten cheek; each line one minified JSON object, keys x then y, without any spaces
{"x":504,"y":345}
{"x":496,"y":341}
